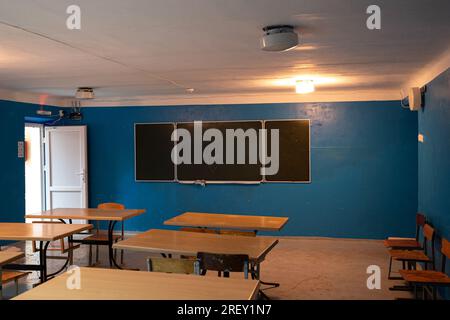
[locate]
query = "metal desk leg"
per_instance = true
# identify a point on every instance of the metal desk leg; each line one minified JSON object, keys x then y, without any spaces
{"x":256,"y":269}
{"x":69,"y":259}
{"x":43,"y":246}
{"x":257,"y":272}
{"x":112,"y":261}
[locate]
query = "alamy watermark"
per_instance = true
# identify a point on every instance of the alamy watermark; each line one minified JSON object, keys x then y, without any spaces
{"x":73,"y":281}
{"x":374,"y":280}
{"x":251,"y":144}
{"x":73,"y":22}
{"x":373,"y":22}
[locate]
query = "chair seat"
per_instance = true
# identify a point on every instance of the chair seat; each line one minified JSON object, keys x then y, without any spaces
{"x":409,"y":255}
{"x":102,"y":236}
{"x":8,"y":276}
{"x":425,"y":277}
{"x":402,"y":243}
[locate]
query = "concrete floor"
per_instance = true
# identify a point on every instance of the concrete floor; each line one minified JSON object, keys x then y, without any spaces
{"x":306,"y":268}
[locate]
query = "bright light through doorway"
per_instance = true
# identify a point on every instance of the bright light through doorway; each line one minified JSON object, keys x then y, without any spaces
{"x":33,"y":168}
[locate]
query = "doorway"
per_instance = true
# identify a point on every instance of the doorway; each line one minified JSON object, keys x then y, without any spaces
{"x":34,"y":183}
{"x":55,"y":168}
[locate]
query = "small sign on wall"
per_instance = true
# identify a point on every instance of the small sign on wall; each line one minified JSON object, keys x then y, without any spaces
{"x":20,"y":149}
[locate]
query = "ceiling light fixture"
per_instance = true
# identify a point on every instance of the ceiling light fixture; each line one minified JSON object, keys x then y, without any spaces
{"x":304,"y":86}
{"x":279,"y":38}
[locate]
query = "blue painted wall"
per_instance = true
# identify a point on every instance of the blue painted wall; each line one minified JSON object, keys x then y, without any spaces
{"x":364,"y":169}
{"x":434,"y":158}
{"x":12,"y":177}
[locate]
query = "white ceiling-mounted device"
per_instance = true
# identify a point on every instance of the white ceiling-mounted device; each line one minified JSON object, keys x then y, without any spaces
{"x":415,"y":98}
{"x":279,"y":38}
{"x":43,"y":112}
{"x":84,"y":93}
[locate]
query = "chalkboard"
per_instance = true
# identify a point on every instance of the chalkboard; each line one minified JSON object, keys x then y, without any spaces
{"x":153,"y":146}
{"x":247,"y":172}
{"x":153,"y":152}
{"x":294,"y":150}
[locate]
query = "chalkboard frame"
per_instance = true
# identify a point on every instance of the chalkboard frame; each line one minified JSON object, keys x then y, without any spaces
{"x":204,"y":182}
{"x":135,"y":166}
{"x":309,"y":147}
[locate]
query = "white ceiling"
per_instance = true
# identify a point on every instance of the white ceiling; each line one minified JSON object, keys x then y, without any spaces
{"x":142,"y":52}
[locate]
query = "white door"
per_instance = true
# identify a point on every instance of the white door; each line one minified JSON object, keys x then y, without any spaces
{"x":66,"y":167}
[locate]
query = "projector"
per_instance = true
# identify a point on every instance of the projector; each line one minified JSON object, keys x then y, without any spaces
{"x":85,"y":93}
{"x":279,"y":38}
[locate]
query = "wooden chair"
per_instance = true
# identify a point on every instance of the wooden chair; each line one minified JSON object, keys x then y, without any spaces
{"x":62,"y":248}
{"x":412,"y":257}
{"x":8,"y":276}
{"x":169,"y":265}
{"x":430,"y":278}
{"x":102,"y":235}
{"x":407,"y":243}
{"x":225,"y":263}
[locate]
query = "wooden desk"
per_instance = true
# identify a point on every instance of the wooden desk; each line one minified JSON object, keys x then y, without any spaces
{"x":87,"y":214}
{"x":113,"y":216}
{"x":44,"y":233}
{"x":228,"y":221}
{"x":189,"y":243}
{"x":113,"y":284}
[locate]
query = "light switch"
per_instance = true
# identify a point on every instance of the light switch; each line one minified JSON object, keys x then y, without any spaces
{"x":420,"y":137}
{"x":20,"y":149}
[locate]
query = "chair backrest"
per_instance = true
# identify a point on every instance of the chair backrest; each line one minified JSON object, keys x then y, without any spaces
{"x":170,"y":265}
{"x":420,"y":222}
{"x":445,"y":248}
{"x":111,"y":206}
{"x":428,"y":236}
{"x":428,"y":232}
{"x":223,"y":262}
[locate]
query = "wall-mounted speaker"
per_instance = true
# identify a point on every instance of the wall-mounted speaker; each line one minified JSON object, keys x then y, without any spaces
{"x":415,"y":98}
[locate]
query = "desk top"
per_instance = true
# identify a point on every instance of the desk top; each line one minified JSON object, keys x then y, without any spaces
{"x":228,"y":221}
{"x":39,"y":231}
{"x":113,"y":284}
{"x":87,"y":214}
{"x":10,"y":256}
{"x":190,"y":243}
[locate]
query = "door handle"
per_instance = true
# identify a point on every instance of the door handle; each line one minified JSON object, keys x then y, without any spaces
{"x":83,"y":175}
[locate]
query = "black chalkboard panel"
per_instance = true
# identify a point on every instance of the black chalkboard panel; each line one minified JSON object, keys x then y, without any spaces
{"x":153,"y":147}
{"x":247,"y":172}
{"x":294,"y":150}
